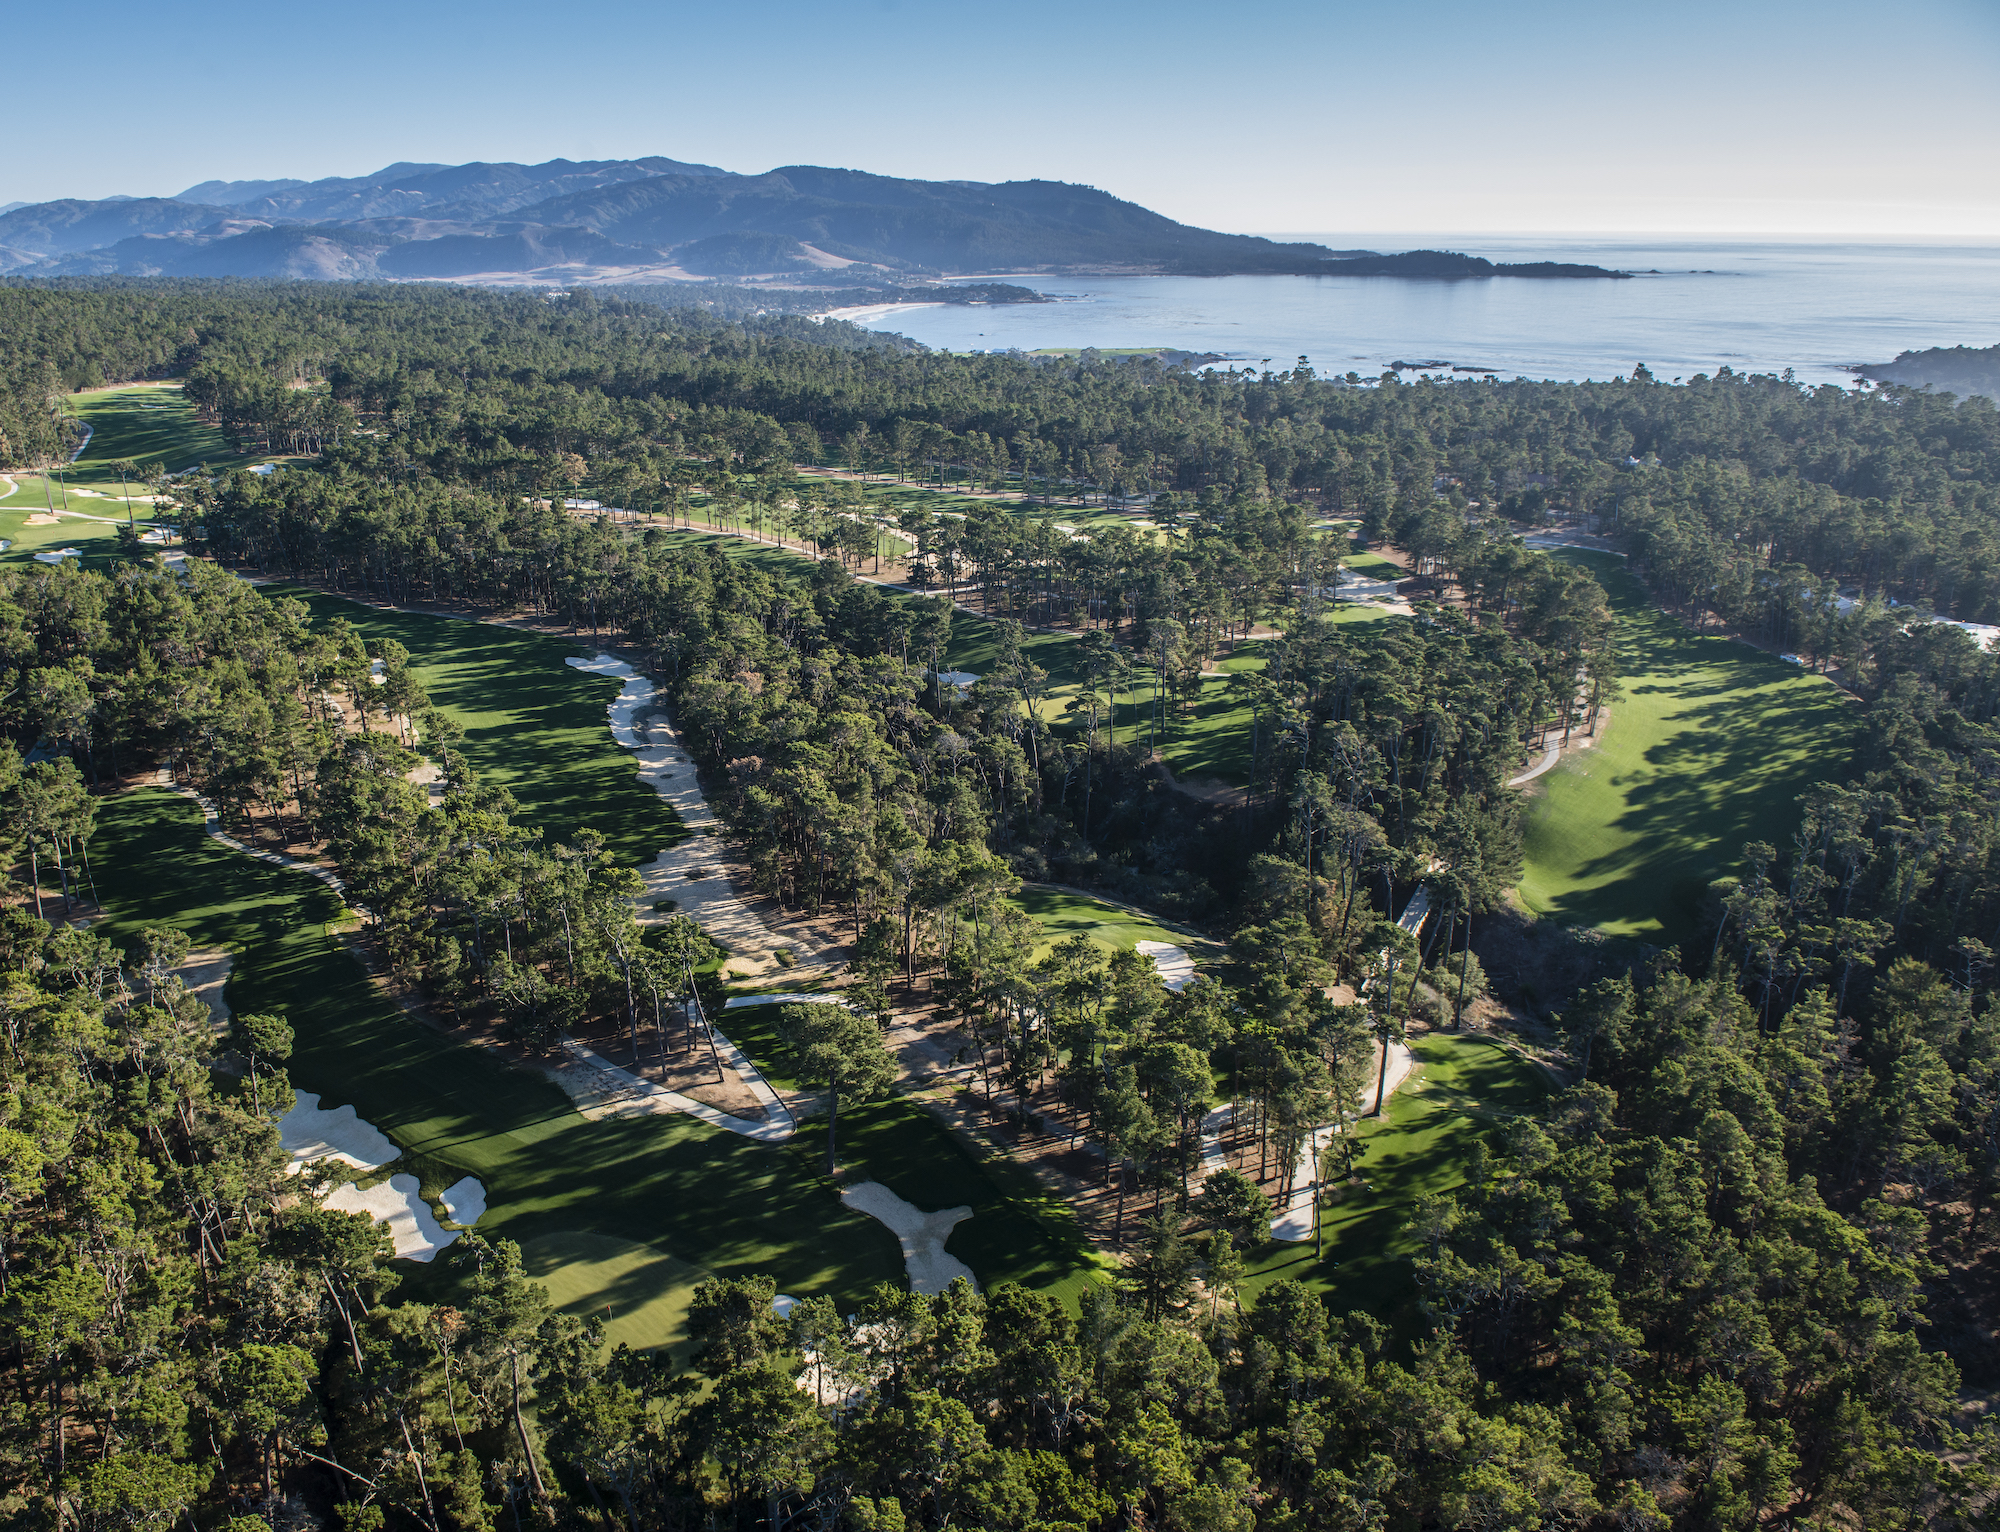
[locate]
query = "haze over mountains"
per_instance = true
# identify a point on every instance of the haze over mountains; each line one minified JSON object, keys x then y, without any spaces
{"x":650,"y":219}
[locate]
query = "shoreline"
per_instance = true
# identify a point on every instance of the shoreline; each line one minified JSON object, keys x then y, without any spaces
{"x":862,"y":312}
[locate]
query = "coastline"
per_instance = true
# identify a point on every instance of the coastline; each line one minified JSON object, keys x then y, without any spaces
{"x":863,"y":312}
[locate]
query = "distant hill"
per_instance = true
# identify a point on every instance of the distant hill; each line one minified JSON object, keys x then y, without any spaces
{"x":655,"y":220}
{"x":1959,"y":370}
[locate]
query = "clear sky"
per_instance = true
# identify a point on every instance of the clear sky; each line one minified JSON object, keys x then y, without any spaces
{"x":1785,"y":116}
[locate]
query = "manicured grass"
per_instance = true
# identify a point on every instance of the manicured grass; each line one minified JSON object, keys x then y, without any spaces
{"x":713,"y":1199}
{"x":788,"y":563}
{"x":1373,"y":566}
{"x":153,"y":425}
{"x":642,"y":1292}
{"x":532,"y":724}
{"x":1469,"y":1086}
{"x":1063,"y":914}
{"x":149,"y":424}
{"x":1710,"y":747}
{"x":95,"y":541}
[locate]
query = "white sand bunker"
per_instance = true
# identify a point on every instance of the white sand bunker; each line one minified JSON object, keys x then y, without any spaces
{"x":205,"y":975}
{"x":57,"y":555}
{"x":1175,"y":966}
{"x":395,"y":1202}
{"x":956,"y":677}
{"x":464,"y":1201}
{"x":309,"y":1133}
{"x":931,"y":1268}
{"x":666,"y":767}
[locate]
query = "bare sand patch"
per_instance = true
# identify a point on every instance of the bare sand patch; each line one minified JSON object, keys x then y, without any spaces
{"x":694,"y":873}
{"x":205,"y":975}
{"x":1295,"y":1223}
{"x":1175,"y":967}
{"x":464,"y":1201}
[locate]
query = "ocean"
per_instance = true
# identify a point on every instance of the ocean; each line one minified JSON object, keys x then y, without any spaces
{"x":1696,"y":305}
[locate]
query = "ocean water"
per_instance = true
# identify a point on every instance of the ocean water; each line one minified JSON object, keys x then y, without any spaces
{"x":1697,"y":304}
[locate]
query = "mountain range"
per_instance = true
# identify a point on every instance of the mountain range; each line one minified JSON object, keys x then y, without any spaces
{"x":653,"y":220}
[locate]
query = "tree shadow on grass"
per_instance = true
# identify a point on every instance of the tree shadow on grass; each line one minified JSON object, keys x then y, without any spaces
{"x":533,"y":723}
{"x":715,"y":1198}
{"x":1420,"y":1148}
{"x":1742,"y":735}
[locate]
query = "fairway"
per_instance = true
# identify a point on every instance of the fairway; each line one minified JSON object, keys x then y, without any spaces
{"x":1711,"y":746}
{"x":532,"y":724}
{"x":150,"y":423}
{"x":713,"y":1199}
{"x":1468,"y":1088}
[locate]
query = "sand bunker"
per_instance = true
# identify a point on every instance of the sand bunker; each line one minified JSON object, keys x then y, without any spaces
{"x":957,"y":677}
{"x":784,"y":999}
{"x":309,"y":1133}
{"x":464,"y":1201}
{"x":395,"y":1202}
{"x":667,"y":768}
{"x":1212,"y":1157}
{"x":922,"y":1235}
{"x":1175,"y":966}
{"x":205,"y":975}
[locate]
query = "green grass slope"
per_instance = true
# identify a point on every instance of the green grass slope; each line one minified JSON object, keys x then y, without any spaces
{"x":1710,"y":747}
{"x":152,"y":424}
{"x":1467,"y":1088}
{"x":532,"y":723}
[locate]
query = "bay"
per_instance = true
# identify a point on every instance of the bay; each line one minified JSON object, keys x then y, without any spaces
{"x":1694,"y":306}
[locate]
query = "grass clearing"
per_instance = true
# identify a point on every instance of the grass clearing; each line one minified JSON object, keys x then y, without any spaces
{"x":1017,"y":1232}
{"x":1373,"y":566}
{"x":1710,"y":747}
{"x":1468,"y":1088}
{"x":532,"y":724}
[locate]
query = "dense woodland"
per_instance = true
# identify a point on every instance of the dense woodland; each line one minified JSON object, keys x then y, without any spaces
{"x":1715,"y":1285}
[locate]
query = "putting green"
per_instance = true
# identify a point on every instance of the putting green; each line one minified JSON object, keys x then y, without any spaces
{"x":1063,"y":914}
{"x":642,"y":1292}
{"x":1710,"y":747}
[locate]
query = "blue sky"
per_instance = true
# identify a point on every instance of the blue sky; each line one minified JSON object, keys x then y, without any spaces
{"x":1264,"y":115}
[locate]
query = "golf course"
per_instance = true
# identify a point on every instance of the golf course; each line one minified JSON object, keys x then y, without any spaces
{"x":622,"y":1216}
{"x":87,"y":503}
